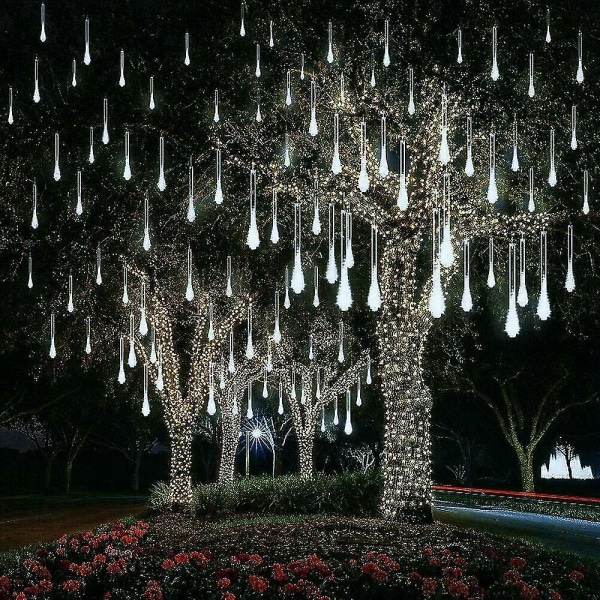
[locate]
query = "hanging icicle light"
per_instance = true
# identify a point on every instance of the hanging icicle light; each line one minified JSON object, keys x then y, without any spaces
{"x":323,"y":429}
{"x":186,"y":58}
{"x":211,"y":328}
{"x":363,"y":178}
{"x":467,"y":300}
{"x":358,"y":394}
{"x":512,"y":318}
{"x":153,"y":345}
{"x":152,"y":103}
{"x":98,"y":265}
{"x":56,"y":157}
{"x":222,"y":373}
{"x":336,"y":418}
{"x":189,"y":291}
{"x":383,"y":163}
{"x":344,"y":295}
{"x":211,"y":407}
{"x":34,"y":217}
{"x":286,"y":301}
{"x":258,"y":117}
{"x":444,"y":154}
{"x":30,"y":278}
{"x":522,"y":296}
{"x":216,"y":112}
{"x":469,"y":168}
{"x":43,"y":19}
{"x":265,"y":391}
{"x":191,"y":211}
{"x":330,"y":47}
{"x":369,"y":379}
{"x":88,"y":333}
{"x":341,"y":348}
{"x":318,"y":390}
{"x":127,"y":169}
{"x":11,"y":118}
{"x":548,"y":36}
{"x":242,"y":24}
{"x":52,"y":336}
{"x":543,"y":307}
{"x":228,"y":288}
{"x":570,"y":279}
{"x":146,"y":241}
{"x":160,"y":384}
{"x":87,"y":59}
{"x":274,"y":228}
{"x":79,"y":205}
{"x":586,"y":203}
{"x":286,"y":151}
{"x":249,"y":344}
{"x":579,"y":76}
{"x":70,"y":307}
{"x":402,"y":201}
{"x":342,"y":89}
{"x":271,"y":40}
{"x":316,"y":300}
{"x":331,"y":274}
{"x":491,"y":279}
{"x":349,"y":252}
{"x":373,"y":82}
{"x":310,"y":347}
{"x":143,"y":328}
{"x":552,"y":175}
{"x":531,"y":205}
{"x":574,"y":127}
{"x":495,"y":74}
{"x":276,"y":329}
{"x":386,"y":44}
{"x":374,"y":297}
{"x":437,"y":304}
{"x":297,"y":283}
{"x":231,"y":364}
{"x":280,"y":392}
{"x":91,"y":157}
{"x":249,"y":411}
{"x":531,"y":90}
{"x":74,"y":73}
{"x":121,"y":376}
{"x":313,"y":129}
{"x":36,"y":80}
{"x":105,"y":136}
{"x":257,"y":71}
{"x":336,"y":165}
{"x":252,"y":239}
{"x":348,"y":425}
{"x":411,"y":94}
{"x":316,"y":224}
{"x":492,"y":191}
{"x":122,"y":69}
{"x":459,"y":58}
{"x":515,"y":156}
{"x":162,"y":184}
{"x":288,"y":88}
{"x":132,"y":360}
{"x":218,"y":186}
{"x":293,"y":385}
{"x":446,"y":256}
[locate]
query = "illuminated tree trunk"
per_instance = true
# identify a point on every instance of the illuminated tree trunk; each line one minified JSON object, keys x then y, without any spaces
{"x":526,"y":466}
{"x":402,"y":333}
{"x":180,"y":470}
{"x":306,"y":442}
{"x":230,"y":433}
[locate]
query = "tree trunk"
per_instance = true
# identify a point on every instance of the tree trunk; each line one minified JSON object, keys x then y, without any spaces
{"x":49,"y":464}
{"x":306,"y":441}
{"x":135,"y":474}
{"x":68,"y":474}
{"x":230,"y":435}
{"x":527,"y":474}
{"x":180,"y":470}
{"x":569,"y":469}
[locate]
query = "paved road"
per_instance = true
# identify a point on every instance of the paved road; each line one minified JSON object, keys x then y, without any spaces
{"x":573,"y":535}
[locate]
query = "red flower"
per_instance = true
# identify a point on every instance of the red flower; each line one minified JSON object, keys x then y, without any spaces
{"x":512,"y":575}
{"x":153,"y":591}
{"x":168,"y":564}
{"x":434,"y":561}
{"x":517,"y":562}
{"x":199,"y":558}
{"x":428,"y":586}
{"x":229,"y":596}
{"x":416,"y":576}
{"x":427,"y":550}
{"x":459,"y":589}
{"x":576,"y":576}
{"x":71,"y":585}
{"x":5,"y":583}
{"x":182,"y":558}
{"x":224,"y":582}
{"x":353,"y":562}
{"x":278,"y":572}
{"x":255,"y":559}
{"x":258,"y":584}
{"x":45,"y":585}
{"x":374,"y":571}
{"x":554,"y":595}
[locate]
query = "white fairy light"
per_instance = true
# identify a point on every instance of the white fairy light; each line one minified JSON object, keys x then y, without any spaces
{"x":274,"y":228}
{"x":127,"y":168}
{"x":249,"y":411}
{"x":105,"y":136}
{"x":242,"y":21}
{"x":211,"y":407}
{"x":574,"y":127}
{"x":280,"y":407}
{"x":349,"y":252}
{"x":402,"y":201}
{"x":36,"y":83}
{"x":153,"y":357}
{"x":316,"y":300}
{"x":293,"y":384}
{"x":579,"y":75}
{"x":231,"y":364}
{"x":469,"y":168}
{"x":87,"y":59}
{"x":162,"y":184}
{"x":386,"y":44}
{"x":11,"y":117}
{"x":318,"y":390}
{"x":330,"y":46}
{"x":515,"y":157}
{"x":331,"y":273}
{"x":160,"y":384}
{"x":369,"y":379}
{"x":218,"y":185}
{"x":211,"y":328}
{"x":358,"y":392}
{"x":152,"y":103}
{"x":548,"y":36}
{"x":34,"y":216}
{"x":252,"y":238}
{"x":98,"y":265}
{"x":276,"y":329}
{"x":459,"y":57}
{"x":189,"y":290}
{"x":302,"y":66}
{"x":446,"y":250}
{"x":56,"y":157}
{"x":222,"y":373}
{"x":341,"y":348}
{"x":265,"y":391}
{"x":74,"y":73}
{"x":336,"y":418}
{"x":383,"y":163}
{"x":531,"y":205}
{"x":586,"y":204}
{"x":492,"y":191}
{"x":125,"y":294}
{"x":297,"y":283}
{"x":30,"y":277}
{"x":258,"y":116}
{"x":122,"y":69}
{"x":313,"y":129}
{"x":467,"y":300}
{"x":342,"y":89}
{"x":146,"y":241}
{"x":286,"y":301}
{"x":323,"y":428}
{"x":444,"y":153}
{"x":437,"y":304}
{"x":143,"y":327}
{"x":131,"y":359}
{"x":43,"y":23}
{"x":543,"y":307}
{"x":491,"y":279}
{"x":411,"y":94}
{"x":249,"y":344}
{"x":552,"y":174}
{"x":531,"y":90}
{"x":88,"y":336}
{"x":570,"y":279}
{"x":286,"y":151}
{"x":522,"y":296}
{"x":512,"y":327}
{"x":344,"y":294}
{"x":191,"y":211}
{"x":70,"y":307}
{"x":348,"y":424}
{"x":336,"y":164}
{"x":257,"y":72}
{"x":271,"y":39}
{"x":373,"y":81}
{"x":316,"y":224}
{"x":363,"y":178}
{"x":216,"y":116}
{"x":145,"y":403}
{"x":91,"y":157}
{"x":228,"y":288}
{"x":186,"y":59}
{"x":374,"y":297}
{"x":121,"y":376}
{"x":79,"y":205}
{"x":495,"y":74}
{"x":52,"y":336}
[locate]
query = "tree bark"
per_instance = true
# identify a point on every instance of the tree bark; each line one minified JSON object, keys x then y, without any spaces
{"x":230,"y":434}
{"x":527,"y":473}
{"x":306,"y":441}
{"x":180,"y":470}
{"x":135,"y":474}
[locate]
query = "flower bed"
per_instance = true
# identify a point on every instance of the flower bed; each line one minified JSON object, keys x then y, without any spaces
{"x":120,"y":561}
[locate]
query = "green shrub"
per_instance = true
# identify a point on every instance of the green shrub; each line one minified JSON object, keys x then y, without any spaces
{"x":160,"y":497}
{"x":354,"y":494}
